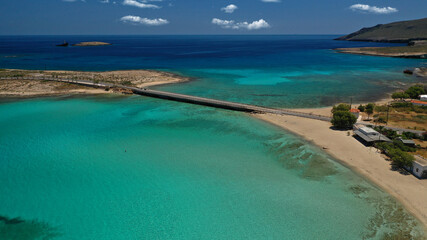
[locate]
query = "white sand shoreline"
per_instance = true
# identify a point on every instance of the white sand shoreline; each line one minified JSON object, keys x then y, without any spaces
{"x":365,"y":161}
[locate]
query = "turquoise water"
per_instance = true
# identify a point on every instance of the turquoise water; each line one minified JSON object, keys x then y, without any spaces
{"x":292,"y":71}
{"x":138,"y":168}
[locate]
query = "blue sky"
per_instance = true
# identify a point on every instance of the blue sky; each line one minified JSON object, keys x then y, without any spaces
{"x":60,"y":17}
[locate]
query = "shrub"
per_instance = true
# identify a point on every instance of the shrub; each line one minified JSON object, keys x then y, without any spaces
{"x":382,"y":119}
{"x":361,"y":108}
{"x":398,"y":144}
{"x":401,"y":105}
{"x":342,"y":107}
{"x":400,"y":95}
{"x":369,"y":109}
{"x":415,"y":91}
{"x":400,"y":158}
{"x":410,"y":135}
{"x":383,"y":146}
{"x":381,"y":108}
{"x":343,"y":120}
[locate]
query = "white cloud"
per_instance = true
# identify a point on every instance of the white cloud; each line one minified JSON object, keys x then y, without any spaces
{"x":372,"y":9}
{"x":104,"y":1}
{"x":144,"y":21}
{"x":73,"y":0}
{"x":229,"y":9}
{"x":275,"y":1}
{"x":231,"y":24}
{"x":140,"y":4}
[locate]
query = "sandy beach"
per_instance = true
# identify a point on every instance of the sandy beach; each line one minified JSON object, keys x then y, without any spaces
{"x":367,"y":161}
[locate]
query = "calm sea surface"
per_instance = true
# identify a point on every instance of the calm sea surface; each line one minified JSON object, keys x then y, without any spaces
{"x":117,"y":167}
{"x":275,"y":71}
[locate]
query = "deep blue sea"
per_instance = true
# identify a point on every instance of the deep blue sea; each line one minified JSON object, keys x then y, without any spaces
{"x":276,"y":71}
{"x":131,"y":167}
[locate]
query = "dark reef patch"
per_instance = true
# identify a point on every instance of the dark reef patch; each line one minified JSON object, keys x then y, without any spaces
{"x":19,"y":229}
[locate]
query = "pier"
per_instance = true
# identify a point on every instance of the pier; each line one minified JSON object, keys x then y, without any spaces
{"x":183,"y":98}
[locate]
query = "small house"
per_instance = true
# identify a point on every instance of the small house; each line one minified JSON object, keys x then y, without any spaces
{"x":419,"y":167}
{"x":407,"y":142}
{"x":355,"y":112}
{"x":423,"y":97}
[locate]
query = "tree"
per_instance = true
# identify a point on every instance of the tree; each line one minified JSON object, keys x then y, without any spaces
{"x":415,"y":91}
{"x":369,"y":109}
{"x":342,"y":107}
{"x":401,"y":158}
{"x":400,"y":95}
{"x":343,"y":119}
{"x":361,"y":108}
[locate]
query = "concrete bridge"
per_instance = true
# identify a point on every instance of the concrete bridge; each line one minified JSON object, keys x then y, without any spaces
{"x":183,"y":98}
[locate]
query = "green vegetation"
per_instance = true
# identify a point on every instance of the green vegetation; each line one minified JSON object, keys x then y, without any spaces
{"x":126,"y":83}
{"x":415,"y":91}
{"x":408,"y":107}
{"x":397,"y":150}
{"x":342,"y":118}
{"x":342,"y":107}
{"x":399,"y":95}
{"x":399,"y":157}
{"x":404,"y":31}
{"x":369,"y":109}
{"x":361,"y":108}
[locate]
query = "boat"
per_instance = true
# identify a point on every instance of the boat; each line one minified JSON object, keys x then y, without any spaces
{"x":65,"y":44}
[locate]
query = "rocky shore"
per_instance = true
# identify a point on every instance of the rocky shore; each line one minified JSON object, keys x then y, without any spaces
{"x":416,"y":51}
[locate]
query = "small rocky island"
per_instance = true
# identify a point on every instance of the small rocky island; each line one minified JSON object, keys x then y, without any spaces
{"x":91,"y":44}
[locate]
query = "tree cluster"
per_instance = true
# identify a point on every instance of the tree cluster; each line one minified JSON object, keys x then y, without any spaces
{"x":342,"y":118}
{"x":368,"y":108}
{"x":413,"y":92}
{"x":398,"y":157}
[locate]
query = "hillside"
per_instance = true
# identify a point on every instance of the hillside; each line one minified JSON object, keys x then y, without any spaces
{"x":402,"y":32}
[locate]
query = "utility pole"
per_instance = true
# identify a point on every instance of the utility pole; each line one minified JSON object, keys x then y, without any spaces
{"x":388,"y":109}
{"x":351,"y":101}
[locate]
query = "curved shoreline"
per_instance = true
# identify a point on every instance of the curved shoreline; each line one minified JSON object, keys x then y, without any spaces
{"x":366,"y":162}
{"x":377,"y":171}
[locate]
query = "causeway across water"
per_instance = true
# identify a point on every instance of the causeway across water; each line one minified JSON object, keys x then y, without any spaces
{"x":184,"y":98}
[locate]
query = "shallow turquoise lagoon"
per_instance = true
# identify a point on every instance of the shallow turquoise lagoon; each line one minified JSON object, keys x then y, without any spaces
{"x":139,"y":168}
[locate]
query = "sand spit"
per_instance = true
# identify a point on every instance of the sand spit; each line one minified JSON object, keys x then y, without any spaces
{"x":32,"y":88}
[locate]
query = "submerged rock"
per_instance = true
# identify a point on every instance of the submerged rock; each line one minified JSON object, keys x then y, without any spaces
{"x":407,"y":71}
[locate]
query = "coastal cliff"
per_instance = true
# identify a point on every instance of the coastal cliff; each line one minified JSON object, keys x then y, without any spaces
{"x":396,"y":32}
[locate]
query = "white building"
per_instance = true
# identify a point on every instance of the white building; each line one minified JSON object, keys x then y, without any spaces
{"x":423,"y":97}
{"x":355,"y":112}
{"x":419,"y":167}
